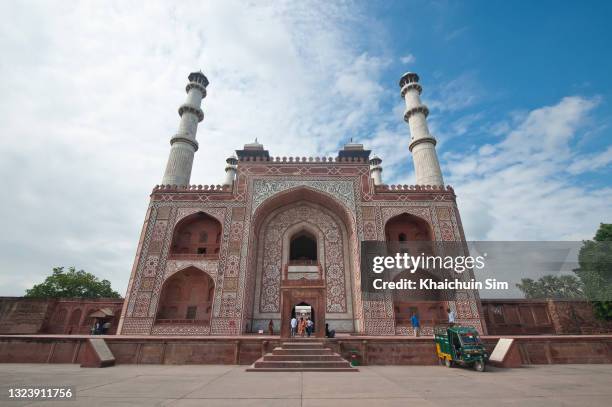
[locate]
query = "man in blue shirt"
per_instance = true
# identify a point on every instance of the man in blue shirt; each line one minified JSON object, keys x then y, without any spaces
{"x":416,"y":325}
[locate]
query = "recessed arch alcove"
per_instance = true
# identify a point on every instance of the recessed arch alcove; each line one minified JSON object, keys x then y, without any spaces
{"x":186,"y":297}
{"x":428,"y":304}
{"x":312,"y":227}
{"x":409,"y":233}
{"x":198,"y":234}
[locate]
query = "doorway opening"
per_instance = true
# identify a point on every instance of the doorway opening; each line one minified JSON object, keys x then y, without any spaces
{"x":303,"y":310}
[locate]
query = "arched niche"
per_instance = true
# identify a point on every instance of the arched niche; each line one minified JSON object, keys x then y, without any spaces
{"x":409,"y":233}
{"x":197,"y":235}
{"x":186,"y":297}
{"x":428,"y":304}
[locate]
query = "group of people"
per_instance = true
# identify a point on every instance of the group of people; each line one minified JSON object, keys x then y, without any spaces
{"x":416,"y":323}
{"x":306,"y":326}
{"x":301,"y":327}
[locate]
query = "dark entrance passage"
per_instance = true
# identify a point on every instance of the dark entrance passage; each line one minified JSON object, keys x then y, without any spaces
{"x":303,"y":247}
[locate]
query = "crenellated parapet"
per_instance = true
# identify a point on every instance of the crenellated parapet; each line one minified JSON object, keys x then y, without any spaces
{"x":305,"y":160}
{"x":414,"y":188}
{"x":191,"y":188}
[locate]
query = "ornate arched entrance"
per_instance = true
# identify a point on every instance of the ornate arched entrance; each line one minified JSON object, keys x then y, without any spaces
{"x":303,"y":240}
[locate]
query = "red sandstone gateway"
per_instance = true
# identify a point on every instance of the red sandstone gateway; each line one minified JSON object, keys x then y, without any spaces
{"x":283,"y":232}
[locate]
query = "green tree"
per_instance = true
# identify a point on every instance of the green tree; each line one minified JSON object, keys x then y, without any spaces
{"x":72,"y":283}
{"x":549,"y":286}
{"x":595,"y":270}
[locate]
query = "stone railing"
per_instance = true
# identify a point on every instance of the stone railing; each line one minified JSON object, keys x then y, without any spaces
{"x":191,"y":188}
{"x":303,"y":263}
{"x":316,"y":264}
{"x":402,"y":188}
{"x":193,"y":256}
{"x":306,"y":160}
{"x":183,"y":321}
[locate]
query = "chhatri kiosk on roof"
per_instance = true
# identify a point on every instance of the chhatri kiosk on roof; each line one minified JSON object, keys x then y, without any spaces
{"x":286,"y":232}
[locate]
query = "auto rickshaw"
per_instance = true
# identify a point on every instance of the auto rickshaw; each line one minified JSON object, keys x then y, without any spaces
{"x":460,"y":345}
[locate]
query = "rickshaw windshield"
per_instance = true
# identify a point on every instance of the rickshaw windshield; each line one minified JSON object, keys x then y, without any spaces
{"x":469,"y":338}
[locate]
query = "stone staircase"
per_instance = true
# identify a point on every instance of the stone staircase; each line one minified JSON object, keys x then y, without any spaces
{"x":304,"y":356}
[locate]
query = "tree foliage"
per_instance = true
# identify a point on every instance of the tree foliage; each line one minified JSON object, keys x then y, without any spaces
{"x":72,"y":283}
{"x":554,"y":287}
{"x":595,"y":270}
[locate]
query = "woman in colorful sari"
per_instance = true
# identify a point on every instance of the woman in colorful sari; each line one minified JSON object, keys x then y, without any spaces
{"x":301,"y":327}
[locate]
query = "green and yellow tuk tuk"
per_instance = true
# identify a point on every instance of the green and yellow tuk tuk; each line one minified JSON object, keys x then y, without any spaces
{"x":460,"y":345}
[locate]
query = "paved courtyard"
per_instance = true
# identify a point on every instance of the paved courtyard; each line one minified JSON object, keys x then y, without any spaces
{"x":376,"y":386}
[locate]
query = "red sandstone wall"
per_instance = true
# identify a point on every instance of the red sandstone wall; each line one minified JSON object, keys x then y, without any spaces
{"x":244,"y":351}
{"x":23,"y":315}
{"x":19,"y":315}
{"x":541,"y":317}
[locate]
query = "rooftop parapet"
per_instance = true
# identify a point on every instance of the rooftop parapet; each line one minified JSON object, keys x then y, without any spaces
{"x":306,"y":160}
{"x":191,"y":188}
{"x":412,"y":188}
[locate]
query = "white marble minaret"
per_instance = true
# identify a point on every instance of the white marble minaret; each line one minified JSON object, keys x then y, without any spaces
{"x":230,"y":170}
{"x":422,"y":143}
{"x":376,"y":170}
{"x":184,"y":144}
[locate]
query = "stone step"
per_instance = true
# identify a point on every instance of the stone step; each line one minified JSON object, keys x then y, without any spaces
{"x":309,"y":369}
{"x":301,"y":351}
{"x":332,"y":357}
{"x":300,"y":364}
{"x":303,"y":345}
{"x":301,"y":356}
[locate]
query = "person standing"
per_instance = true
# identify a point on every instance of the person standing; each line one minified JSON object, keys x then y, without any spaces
{"x":309,"y":326}
{"x":451,"y":316}
{"x":329,"y":333}
{"x":293,"y":326}
{"x":416,"y":324}
{"x":301,"y":327}
{"x":271,"y":327}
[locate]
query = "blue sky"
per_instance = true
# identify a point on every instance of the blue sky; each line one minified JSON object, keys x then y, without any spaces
{"x":519,"y":94}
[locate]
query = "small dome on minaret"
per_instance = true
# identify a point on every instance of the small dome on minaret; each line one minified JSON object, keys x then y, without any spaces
{"x":232,"y":160}
{"x":198,"y":77}
{"x":408,"y":77}
{"x":375,"y":160}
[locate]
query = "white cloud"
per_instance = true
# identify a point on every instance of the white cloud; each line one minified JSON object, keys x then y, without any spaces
{"x":591,"y":162}
{"x":519,"y":188}
{"x":89,"y":101}
{"x":408,"y":59}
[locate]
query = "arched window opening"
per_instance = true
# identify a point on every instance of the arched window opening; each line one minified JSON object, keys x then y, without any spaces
{"x":408,"y":234}
{"x":427,"y":304}
{"x":187,"y":297}
{"x":192,"y":237}
{"x":303,"y":248}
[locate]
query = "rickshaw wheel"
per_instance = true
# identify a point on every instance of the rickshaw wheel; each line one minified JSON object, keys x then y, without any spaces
{"x":448,"y":362}
{"x":479,"y":366}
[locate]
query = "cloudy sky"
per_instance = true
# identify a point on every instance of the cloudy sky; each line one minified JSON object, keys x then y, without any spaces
{"x":520,"y":96}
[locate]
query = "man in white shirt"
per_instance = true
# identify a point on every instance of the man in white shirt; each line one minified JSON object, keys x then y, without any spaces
{"x":451,"y":316}
{"x":293,"y":326}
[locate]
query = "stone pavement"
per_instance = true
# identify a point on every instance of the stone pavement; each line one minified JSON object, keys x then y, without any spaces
{"x":376,"y":386}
